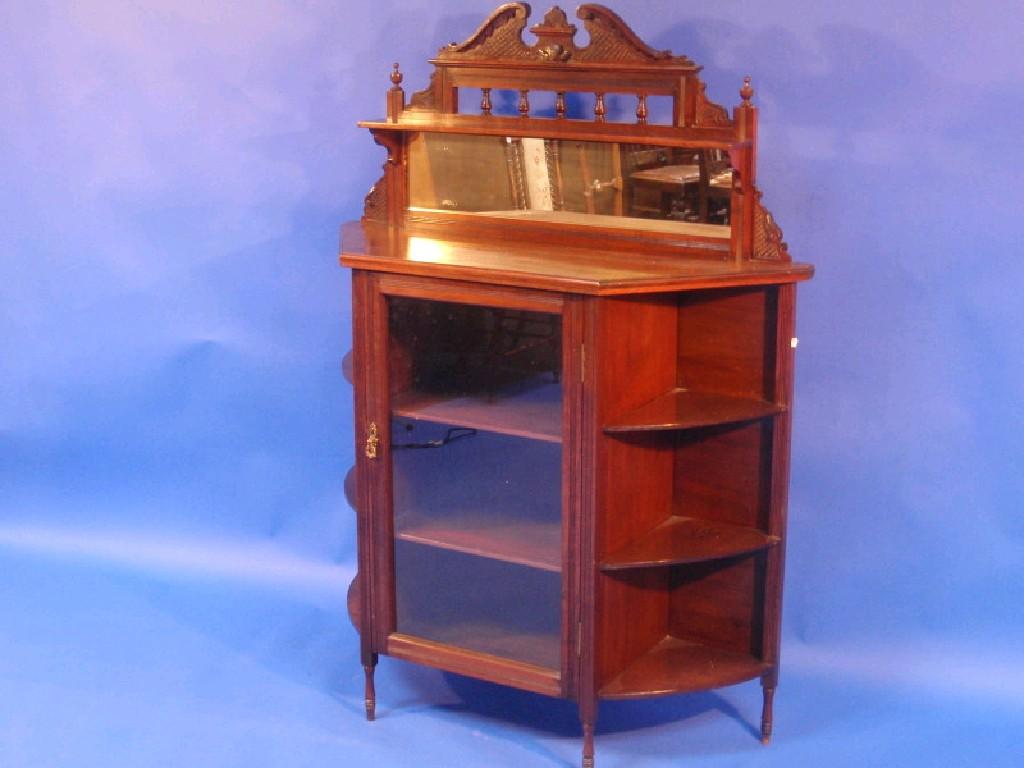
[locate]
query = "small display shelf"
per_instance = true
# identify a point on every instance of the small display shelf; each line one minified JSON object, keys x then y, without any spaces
{"x":531,"y":409}
{"x":533,"y":543}
{"x":542,"y":678}
{"x":493,"y":639}
{"x":683,"y":408}
{"x":675,"y":665}
{"x":479,"y":604}
{"x":681,"y":540}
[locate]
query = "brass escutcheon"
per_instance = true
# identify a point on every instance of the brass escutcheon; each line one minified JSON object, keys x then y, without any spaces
{"x":371,"y":441}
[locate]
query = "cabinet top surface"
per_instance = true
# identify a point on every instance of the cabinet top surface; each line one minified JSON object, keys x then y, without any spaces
{"x":565,"y":268}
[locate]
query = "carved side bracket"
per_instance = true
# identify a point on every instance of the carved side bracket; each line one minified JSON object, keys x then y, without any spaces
{"x":768,"y":242}
{"x":427,"y":98}
{"x":708,"y":112}
{"x":378,"y":203}
{"x":375,"y":204}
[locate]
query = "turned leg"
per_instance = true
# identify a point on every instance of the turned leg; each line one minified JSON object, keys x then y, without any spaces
{"x":588,"y":716}
{"x":371,"y":693}
{"x":766,"y":714}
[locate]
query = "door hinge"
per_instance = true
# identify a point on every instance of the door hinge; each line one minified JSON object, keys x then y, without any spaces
{"x":583,"y":362}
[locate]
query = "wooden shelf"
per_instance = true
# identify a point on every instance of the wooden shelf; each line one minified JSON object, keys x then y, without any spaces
{"x":680,"y":666}
{"x":688,"y":540}
{"x":529,"y":543}
{"x":537,"y":649}
{"x":533,"y":411}
{"x":544,"y":678}
{"x":685,"y":409}
{"x":594,"y":268}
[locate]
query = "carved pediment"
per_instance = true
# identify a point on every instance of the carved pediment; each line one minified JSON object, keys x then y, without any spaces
{"x":500,"y":37}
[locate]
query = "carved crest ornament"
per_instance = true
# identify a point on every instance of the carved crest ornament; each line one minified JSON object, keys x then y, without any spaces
{"x":611,"y":39}
{"x":497,"y":48}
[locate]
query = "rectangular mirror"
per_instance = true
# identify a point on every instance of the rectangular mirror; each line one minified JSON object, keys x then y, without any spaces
{"x":635,"y":186}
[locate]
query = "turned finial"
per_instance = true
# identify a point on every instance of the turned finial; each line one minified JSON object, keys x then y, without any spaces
{"x":747,"y":91}
{"x":396,"y":96}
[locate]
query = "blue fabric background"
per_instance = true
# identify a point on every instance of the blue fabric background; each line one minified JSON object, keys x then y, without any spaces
{"x":174,"y":429}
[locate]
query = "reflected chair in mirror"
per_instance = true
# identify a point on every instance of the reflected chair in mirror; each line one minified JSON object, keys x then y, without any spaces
{"x":714,"y":186}
{"x":686,"y":185}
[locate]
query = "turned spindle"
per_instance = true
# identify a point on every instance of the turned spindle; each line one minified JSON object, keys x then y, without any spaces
{"x":524,"y":103}
{"x":560,"y":104}
{"x":641,"y":108}
{"x":485,"y":101}
{"x":599,"y":109}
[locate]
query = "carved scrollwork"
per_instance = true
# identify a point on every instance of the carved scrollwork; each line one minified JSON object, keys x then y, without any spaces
{"x":555,"y":52}
{"x":499,"y":37}
{"x":554,"y":37}
{"x":427,"y":98}
{"x":768,"y":242}
{"x":611,"y":39}
{"x":709,"y":113}
{"x":377,"y":201}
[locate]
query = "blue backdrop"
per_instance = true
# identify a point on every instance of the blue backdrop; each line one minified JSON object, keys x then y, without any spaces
{"x":174,"y":428}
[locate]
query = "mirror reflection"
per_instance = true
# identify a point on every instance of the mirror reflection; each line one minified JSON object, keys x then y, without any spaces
{"x":568,"y":181}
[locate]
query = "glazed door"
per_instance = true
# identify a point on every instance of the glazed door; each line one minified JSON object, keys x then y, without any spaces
{"x":475,"y":433}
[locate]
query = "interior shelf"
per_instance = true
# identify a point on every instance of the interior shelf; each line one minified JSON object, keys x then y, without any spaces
{"x":530,"y":543}
{"x":532,"y":410}
{"x":688,"y":540}
{"x":675,"y":665}
{"x":685,"y":409}
{"x":538,"y":648}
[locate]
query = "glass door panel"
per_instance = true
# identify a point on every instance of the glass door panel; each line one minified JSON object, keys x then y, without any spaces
{"x":476,"y":411}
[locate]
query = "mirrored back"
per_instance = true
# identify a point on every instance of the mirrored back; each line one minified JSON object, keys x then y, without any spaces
{"x":568,"y":181}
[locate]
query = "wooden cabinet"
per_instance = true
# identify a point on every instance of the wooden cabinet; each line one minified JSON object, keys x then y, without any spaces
{"x":572,"y":409}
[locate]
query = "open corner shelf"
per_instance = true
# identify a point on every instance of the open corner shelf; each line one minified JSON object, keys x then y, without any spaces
{"x":533,"y":544}
{"x":675,"y":665}
{"x":681,"y":540}
{"x":533,"y":412}
{"x":683,"y":408}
